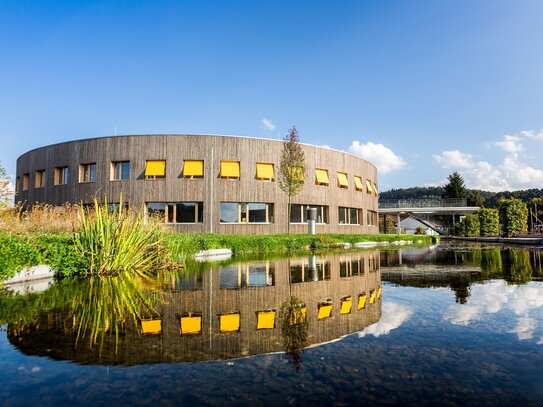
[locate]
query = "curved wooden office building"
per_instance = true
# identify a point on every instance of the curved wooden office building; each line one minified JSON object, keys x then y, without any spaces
{"x":204,"y":183}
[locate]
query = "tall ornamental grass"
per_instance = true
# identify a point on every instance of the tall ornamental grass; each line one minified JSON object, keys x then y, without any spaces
{"x":119,"y":241}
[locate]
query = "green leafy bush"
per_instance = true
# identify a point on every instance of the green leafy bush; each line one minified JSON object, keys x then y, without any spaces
{"x":513,"y":217}
{"x":469,"y":225}
{"x":489,"y":222}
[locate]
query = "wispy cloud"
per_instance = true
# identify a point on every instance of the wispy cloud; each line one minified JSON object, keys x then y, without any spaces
{"x":393,"y":315}
{"x":381,"y":156}
{"x":267,"y":124}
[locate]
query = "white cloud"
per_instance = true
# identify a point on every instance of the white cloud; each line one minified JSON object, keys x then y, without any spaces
{"x":533,"y":135}
{"x":381,"y":156}
{"x":499,"y":296}
{"x":454,"y":159}
{"x":521,"y":174}
{"x":511,"y":144}
{"x":267,"y":124}
{"x":392,"y":316}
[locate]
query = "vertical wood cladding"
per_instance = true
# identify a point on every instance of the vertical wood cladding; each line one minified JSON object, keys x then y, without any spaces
{"x":210,"y":189}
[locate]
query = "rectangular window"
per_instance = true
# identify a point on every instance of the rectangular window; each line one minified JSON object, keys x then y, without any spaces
{"x":371,"y":218}
{"x":233,"y":212}
{"x":298,"y":213}
{"x":61,"y":175}
{"x":176,"y":212}
{"x":358,"y":183}
{"x":375,"y":189}
{"x":193,"y":169}
{"x":230,"y":169}
{"x":265,"y":172}
{"x":229,"y":212}
{"x":353,"y":216}
{"x":321,"y":177}
{"x":349,"y":216}
{"x":120,"y":170}
{"x":155,"y":169}
{"x":18,"y":185}
{"x":26,"y":178}
{"x":87,"y":172}
{"x":342,"y":181}
{"x":369,"y":189}
{"x":39,"y":181}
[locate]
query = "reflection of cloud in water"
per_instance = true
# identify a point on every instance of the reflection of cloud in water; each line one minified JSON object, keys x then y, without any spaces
{"x":392,"y":316}
{"x":496,"y":296}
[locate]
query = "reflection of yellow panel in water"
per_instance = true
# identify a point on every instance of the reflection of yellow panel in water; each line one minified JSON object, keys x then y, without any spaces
{"x":373,"y":294}
{"x":362,"y":301}
{"x":151,"y":326}
{"x":346,"y":305}
{"x":325,"y":310}
{"x":265,"y":320}
{"x":229,"y":322}
{"x":379,"y":292}
{"x":191,"y":325}
{"x":298,"y":316}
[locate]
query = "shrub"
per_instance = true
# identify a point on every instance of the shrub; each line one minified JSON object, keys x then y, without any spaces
{"x":469,"y":225}
{"x":513,"y":216}
{"x":488,"y":221}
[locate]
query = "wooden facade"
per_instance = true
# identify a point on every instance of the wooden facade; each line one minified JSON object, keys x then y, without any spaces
{"x":49,"y":163}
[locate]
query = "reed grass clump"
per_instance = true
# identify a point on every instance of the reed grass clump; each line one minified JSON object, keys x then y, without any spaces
{"x":118,"y":241}
{"x":41,"y":218}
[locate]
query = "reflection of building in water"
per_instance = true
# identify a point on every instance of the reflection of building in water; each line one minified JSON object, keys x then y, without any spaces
{"x":232,"y":311}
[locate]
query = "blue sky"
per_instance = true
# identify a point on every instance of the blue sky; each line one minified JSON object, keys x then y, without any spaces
{"x":420,"y":88}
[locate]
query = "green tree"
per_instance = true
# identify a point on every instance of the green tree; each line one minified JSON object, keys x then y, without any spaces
{"x":5,"y":191}
{"x":456,"y":187}
{"x":513,"y":216}
{"x":476,"y":199}
{"x":489,"y":222}
{"x":291,"y":168}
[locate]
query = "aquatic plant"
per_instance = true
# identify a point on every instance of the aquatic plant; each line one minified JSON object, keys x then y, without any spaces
{"x":118,"y":241}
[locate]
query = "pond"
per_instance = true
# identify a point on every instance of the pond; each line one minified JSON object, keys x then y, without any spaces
{"x":449,"y":324}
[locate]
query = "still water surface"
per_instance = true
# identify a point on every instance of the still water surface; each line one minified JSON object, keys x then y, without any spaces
{"x":452,"y":325}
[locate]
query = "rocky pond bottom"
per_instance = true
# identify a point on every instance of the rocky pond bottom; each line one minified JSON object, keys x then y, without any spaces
{"x":447,"y":325}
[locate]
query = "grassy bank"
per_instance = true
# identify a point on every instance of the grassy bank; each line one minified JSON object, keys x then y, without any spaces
{"x":186,"y":245}
{"x":57,"y":250}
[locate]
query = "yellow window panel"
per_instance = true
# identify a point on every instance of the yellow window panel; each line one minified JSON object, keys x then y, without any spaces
{"x":151,"y":326}
{"x":193,"y":168}
{"x":322,"y":177}
{"x":325,"y":310}
{"x":346,"y":305}
{"x":155,"y":168}
{"x":229,"y":322}
{"x":342,"y":181}
{"x":373,"y":294}
{"x":375,"y":189}
{"x":362,"y":301}
{"x":369,"y":188}
{"x":379,"y":292}
{"x":265,"y":171}
{"x":191,"y":325}
{"x":229,"y":169}
{"x":265,"y":320}
{"x":358,"y":183}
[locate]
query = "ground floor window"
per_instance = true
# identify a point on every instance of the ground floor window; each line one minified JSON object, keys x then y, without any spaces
{"x":246,"y":212}
{"x":298,"y":213}
{"x":177,"y":212}
{"x":371,"y":218}
{"x":349,"y":216}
